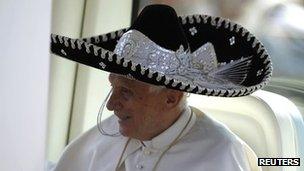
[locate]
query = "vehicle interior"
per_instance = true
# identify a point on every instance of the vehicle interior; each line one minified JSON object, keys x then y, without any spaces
{"x":270,"y":121}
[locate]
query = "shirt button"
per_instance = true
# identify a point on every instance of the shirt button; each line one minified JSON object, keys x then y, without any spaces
{"x":138,"y":166}
{"x":147,"y":152}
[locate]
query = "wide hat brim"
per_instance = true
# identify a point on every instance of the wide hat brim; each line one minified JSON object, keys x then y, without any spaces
{"x":231,"y":42}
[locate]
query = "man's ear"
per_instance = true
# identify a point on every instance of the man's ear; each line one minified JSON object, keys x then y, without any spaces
{"x":173,"y":98}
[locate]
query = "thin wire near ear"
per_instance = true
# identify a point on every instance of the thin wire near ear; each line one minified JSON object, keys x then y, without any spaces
{"x":99,"y":123}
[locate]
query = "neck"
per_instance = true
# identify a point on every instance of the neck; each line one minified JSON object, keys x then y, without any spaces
{"x":170,"y":118}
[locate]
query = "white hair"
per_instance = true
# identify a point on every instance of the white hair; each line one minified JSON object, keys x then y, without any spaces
{"x":155,"y":89}
{"x":183,"y":102}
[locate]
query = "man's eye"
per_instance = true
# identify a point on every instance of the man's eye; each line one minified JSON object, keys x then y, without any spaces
{"x":126,"y":93}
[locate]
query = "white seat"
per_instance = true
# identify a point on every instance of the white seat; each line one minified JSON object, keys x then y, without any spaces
{"x":260,"y":121}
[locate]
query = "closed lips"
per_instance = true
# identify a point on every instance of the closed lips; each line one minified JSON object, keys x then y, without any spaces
{"x":122,"y":118}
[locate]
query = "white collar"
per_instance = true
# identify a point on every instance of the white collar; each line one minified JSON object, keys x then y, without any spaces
{"x":164,"y":139}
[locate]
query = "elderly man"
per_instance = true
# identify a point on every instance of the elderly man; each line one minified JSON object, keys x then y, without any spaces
{"x":140,"y":107}
{"x":153,"y":65}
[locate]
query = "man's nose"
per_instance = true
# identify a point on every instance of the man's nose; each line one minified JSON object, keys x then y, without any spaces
{"x":114,"y":102}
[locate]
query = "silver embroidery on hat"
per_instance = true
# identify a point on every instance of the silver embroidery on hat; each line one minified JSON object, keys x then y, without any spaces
{"x":199,"y":68}
{"x":192,"y":31}
{"x":63,"y":52}
{"x":103,"y":65}
{"x":259,"y":72}
{"x":232,"y":40}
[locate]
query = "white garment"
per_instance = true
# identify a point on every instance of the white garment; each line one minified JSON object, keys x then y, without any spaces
{"x":204,"y":145}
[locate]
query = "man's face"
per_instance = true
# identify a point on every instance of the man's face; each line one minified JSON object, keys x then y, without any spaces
{"x":139,"y":110}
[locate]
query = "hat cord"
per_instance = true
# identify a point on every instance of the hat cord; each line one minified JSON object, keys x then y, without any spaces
{"x":99,"y":123}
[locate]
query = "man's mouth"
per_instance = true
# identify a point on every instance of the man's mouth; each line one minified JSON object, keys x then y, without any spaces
{"x":124,"y":118}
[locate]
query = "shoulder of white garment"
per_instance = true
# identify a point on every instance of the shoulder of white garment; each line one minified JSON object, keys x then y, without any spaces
{"x":91,"y":146}
{"x":207,"y":128}
{"x":208,"y":142}
{"x":206,"y":145}
{"x":214,"y":145}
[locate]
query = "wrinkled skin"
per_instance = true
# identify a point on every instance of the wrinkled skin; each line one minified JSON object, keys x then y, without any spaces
{"x":143,"y":114}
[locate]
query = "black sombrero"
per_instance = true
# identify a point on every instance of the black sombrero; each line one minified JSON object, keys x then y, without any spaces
{"x":197,"y":53}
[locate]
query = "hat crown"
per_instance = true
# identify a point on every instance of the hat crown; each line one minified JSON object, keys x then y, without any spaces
{"x":160,"y":23}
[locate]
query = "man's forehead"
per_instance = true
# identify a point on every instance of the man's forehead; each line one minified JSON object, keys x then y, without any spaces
{"x":126,"y":80}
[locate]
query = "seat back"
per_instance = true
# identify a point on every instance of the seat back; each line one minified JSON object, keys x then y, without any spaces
{"x":255,"y":119}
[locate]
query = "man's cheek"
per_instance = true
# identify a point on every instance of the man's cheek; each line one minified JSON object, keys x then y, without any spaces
{"x":137,"y":123}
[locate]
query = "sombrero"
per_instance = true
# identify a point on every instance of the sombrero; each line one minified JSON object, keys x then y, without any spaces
{"x":199,"y":54}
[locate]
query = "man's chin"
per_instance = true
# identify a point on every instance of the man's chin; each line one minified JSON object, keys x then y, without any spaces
{"x":124,"y":132}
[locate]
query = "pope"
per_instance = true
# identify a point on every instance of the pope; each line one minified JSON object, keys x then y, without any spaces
{"x":153,"y":65}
